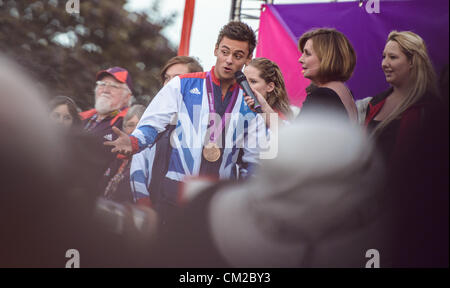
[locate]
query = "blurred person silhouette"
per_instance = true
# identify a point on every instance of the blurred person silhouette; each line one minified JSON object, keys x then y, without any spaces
{"x":64,"y":111}
{"x":318,"y":204}
{"x":328,"y":60}
{"x":409,"y":124}
{"x":47,"y":203}
{"x":267,"y":82}
{"x":150,"y":166}
{"x":34,"y":219}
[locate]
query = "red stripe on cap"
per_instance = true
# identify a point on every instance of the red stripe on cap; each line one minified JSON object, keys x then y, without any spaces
{"x":121,"y":76}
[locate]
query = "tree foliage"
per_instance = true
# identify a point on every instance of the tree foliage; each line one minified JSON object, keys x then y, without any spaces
{"x":64,"y":51}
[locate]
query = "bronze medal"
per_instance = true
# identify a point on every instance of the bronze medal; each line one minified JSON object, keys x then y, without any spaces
{"x":211,"y":152}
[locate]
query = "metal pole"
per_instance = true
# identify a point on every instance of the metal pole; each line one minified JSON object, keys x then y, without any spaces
{"x":233,"y":7}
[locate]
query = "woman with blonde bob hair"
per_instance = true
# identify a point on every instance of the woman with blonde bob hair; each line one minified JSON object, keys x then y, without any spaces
{"x":408,"y":70}
{"x":328,"y":60}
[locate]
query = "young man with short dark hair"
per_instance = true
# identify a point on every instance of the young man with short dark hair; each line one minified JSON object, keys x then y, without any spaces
{"x":211,"y":112}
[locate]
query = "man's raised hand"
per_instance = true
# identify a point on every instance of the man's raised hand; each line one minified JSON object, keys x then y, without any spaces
{"x":122,"y":144}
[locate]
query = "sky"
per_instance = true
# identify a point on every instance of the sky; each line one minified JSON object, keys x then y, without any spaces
{"x":209,"y":17}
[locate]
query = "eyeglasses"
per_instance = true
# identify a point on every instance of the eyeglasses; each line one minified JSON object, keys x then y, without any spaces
{"x":109,"y":84}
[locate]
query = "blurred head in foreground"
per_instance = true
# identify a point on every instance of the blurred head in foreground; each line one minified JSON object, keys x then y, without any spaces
{"x":316,"y":205}
{"x":30,"y":153}
{"x":47,"y":177}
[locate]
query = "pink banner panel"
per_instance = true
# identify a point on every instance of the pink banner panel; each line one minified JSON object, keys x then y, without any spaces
{"x":275,"y":43}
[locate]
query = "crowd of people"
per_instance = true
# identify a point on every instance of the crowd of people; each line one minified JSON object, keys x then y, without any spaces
{"x":183,"y":182}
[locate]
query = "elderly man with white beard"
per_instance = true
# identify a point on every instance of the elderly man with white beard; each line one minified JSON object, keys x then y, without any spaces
{"x":112,"y":96}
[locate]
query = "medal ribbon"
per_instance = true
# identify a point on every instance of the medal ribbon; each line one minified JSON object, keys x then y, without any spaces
{"x":212,"y":109}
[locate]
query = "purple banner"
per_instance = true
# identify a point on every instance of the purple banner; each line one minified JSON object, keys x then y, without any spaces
{"x":368,"y":33}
